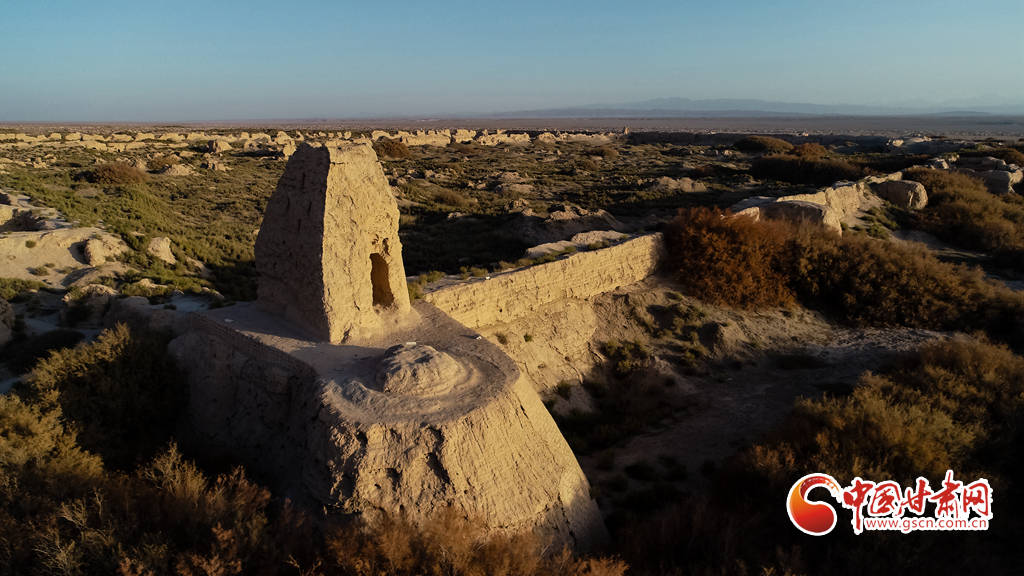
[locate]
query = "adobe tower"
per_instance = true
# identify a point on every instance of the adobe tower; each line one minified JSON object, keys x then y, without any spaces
{"x":328,"y":252}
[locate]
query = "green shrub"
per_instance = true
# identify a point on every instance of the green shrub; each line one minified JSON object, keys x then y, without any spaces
{"x":30,"y":243}
{"x":763,"y":144}
{"x":122,"y":392}
{"x":16,"y":289}
{"x":1009,"y":155}
{"x":417,"y":285}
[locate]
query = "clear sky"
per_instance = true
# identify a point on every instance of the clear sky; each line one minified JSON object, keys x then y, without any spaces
{"x":77,"y":60}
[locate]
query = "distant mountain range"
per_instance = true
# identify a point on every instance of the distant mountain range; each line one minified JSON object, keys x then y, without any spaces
{"x":736,"y":108}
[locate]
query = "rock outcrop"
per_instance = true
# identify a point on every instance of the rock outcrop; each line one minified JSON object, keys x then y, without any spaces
{"x":328,"y":252}
{"x":160,"y":248}
{"x":99,"y":250}
{"x":830,"y":207}
{"x":561,"y":223}
{"x":903,"y":193}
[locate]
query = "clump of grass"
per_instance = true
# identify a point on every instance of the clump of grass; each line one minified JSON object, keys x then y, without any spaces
{"x":628,"y":358}
{"x":30,"y":243}
{"x":417,"y":285}
{"x":450,"y":197}
{"x":472,"y":271}
{"x":17,"y":290}
{"x":606,"y":152}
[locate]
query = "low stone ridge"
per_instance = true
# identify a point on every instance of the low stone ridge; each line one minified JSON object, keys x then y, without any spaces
{"x":328,"y":252}
{"x":833,"y":206}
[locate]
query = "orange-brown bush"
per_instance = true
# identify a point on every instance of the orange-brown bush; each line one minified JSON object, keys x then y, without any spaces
{"x":737,"y":262}
{"x":809,"y":170}
{"x":765,"y":144}
{"x":387,"y":148}
{"x":114,"y":174}
{"x":731,"y":261}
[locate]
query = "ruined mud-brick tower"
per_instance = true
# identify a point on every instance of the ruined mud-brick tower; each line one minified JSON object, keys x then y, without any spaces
{"x":329,"y":256}
{"x":342,"y":395}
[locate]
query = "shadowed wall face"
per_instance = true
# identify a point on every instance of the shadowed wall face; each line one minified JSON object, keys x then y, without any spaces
{"x":328,"y":252}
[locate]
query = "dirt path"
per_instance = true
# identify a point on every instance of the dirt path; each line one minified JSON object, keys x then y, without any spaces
{"x":737,"y":402}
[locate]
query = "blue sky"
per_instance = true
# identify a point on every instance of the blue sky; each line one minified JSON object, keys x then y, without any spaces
{"x":226,"y":60}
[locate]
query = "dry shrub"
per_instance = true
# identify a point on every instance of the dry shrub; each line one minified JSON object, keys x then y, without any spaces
{"x":961,"y":210}
{"x":738,"y":262}
{"x":394,"y":149}
{"x":1009,"y":155}
{"x":730,"y":261}
{"x":115,"y":174}
{"x":808,"y":170}
{"x":450,"y":197}
{"x":450,"y":544}
{"x":763,"y":144}
{"x":163,"y":162}
{"x":606,"y":152}
{"x":810,"y":150}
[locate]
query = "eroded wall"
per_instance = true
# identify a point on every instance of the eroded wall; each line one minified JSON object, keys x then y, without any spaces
{"x":509,"y":296}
